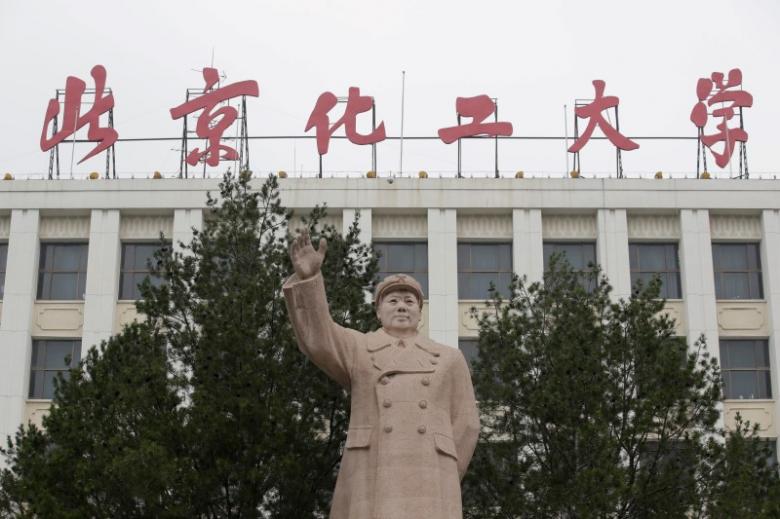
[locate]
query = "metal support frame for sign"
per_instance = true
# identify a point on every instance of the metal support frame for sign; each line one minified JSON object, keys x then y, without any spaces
{"x":54,"y":153}
{"x":495,"y":162}
{"x":373,"y":128}
{"x":243,"y":140}
{"x":577,"y":165}
{"x":701,"y":152}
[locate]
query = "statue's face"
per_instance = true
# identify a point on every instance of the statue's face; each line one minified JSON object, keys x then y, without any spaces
{"x":399,"y":312}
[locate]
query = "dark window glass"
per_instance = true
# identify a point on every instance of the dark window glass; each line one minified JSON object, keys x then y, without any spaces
{"x":737,"y":269}
{"x":745,"y":369}
{"x":579,"y":255}
{"x":470,"y":349}
{"x":404,"y":258}
{"x":3,"y":266}
{"x":50,"y":357}
{"x":479,"y":264}
{"x":62,"y":272}
{"x":651,"y":259}
{"x":136,"y":258}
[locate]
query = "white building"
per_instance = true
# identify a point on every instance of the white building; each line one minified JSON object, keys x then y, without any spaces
{"x":65,"y":246}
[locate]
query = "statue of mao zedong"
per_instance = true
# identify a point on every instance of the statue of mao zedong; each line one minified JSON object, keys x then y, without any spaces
{"x":414,"y":421}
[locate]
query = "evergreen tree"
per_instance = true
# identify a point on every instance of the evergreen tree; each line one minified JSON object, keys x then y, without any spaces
{"x":741,"y":476}
{"x":592,"y":408}
{"x":207,"y":408}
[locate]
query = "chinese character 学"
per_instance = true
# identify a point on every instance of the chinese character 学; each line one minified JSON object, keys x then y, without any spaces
{"x":478,"y":108}
{"x":212,"y":123}
{"x":356,"y":104}
{"x":593,"y":112}
{"x":72,"y":121}
{"x":730,"y":98}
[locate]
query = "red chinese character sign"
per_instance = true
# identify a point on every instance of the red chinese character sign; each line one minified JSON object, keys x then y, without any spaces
{"x":593,"y":112}
{"x":478,"y":108}
{"x":724,"y":97}
{"x":73,"y":120}
{"x":356,"y":104}
{"x":213,"y":121}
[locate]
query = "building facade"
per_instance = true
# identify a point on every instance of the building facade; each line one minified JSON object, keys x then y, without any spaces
{"x":72,"y":251}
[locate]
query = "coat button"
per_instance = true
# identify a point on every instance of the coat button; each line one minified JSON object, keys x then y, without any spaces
{"x":421,"y":429}
{"x":387,"y":403}
{"x":388,"y":428}
{"x":384,"y":381}
{"x":426,"y":381}
{"x":423,"y":404}
{"x":434,"y":362}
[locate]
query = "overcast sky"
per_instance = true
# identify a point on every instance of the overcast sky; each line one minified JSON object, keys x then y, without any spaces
{"x":533,"y":56}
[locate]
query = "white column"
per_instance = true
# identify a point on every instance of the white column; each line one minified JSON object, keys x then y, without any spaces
{"x":183,"y":222}
{"x":102,"y":278}
{"x":443,"y":276}
{"x":770,"y":253}
{"x":365,"y":223}
{"x":612,"y":250}
{"x":527,"y":248}
{"x":15,"y":341}
{"x":698,"y":282}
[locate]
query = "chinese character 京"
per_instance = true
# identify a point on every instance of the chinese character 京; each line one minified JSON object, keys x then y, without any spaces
{"x":212,"y":123}
{"x":478,"y":108}
{"x":72,"y":121}
{"x":731,"y":98}
{"x":356,"y":104}
{"x":592,"y":112}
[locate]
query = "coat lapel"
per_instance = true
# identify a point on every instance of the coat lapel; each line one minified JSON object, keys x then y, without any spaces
{"x":420,"y":355}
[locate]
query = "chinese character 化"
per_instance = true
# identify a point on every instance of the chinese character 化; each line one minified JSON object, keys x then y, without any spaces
{"x":478,"y":108}
{"x":211,"y":125}
{"x":725,"y":93}
{"x":592,"y":112}
{"x":356,"y":104}
{"x":72,"y":121}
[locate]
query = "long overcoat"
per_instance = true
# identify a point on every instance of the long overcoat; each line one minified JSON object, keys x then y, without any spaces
{"x":413,"y":423}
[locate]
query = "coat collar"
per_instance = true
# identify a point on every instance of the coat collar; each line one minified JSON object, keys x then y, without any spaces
{"x":420,"y":356}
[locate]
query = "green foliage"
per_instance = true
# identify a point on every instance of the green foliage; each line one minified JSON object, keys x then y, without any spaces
{"x":591,"y":407}
{"x":742,"y":477}
{"x":207,"y":409}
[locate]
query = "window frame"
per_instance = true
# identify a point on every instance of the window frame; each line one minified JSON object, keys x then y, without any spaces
{"x":678,"y":273}
{"x":719,"y":296}
{"x":75,"y":359}
{"x":755,"y":369}
{"x":43,"y":272}
{"x":460,"y":268}
{"x":414,"y":273}
{"x":123,"y":272}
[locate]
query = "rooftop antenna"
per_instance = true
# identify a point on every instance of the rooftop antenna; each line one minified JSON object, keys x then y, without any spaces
{"x":566,"y":139}
{"x":401,"y":157}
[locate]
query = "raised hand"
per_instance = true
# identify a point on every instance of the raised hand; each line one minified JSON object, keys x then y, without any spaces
{"x":307,"y":261}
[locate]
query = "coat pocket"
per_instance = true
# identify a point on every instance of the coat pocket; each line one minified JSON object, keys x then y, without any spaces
{"x":359,"y":437}
{"x":445,"y":445}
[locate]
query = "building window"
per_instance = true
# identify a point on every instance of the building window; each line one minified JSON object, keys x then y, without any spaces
{"x":62,"y":271}
{"x":470,"y":349}
{"x":50,"y":357}
{"x":737,"y":269}
{"x":579,"y":255}
{"x":656,"y":259}
{"x":136,"y":258}
{"x":404,"y":258}
{"x":745,"y":369}
{"x":3,"y":267}
{"x":479,"y":265}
